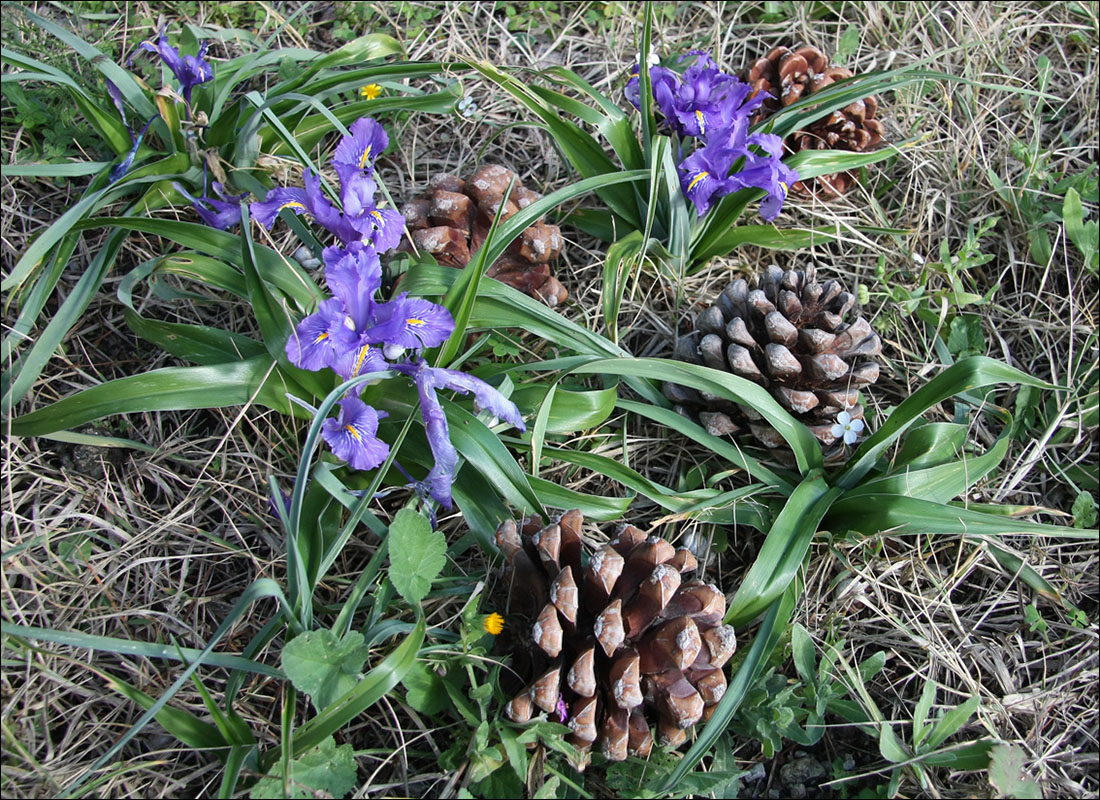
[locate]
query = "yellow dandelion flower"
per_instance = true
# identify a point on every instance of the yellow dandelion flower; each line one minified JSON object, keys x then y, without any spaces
{"x":494,"y":623}
{"x":370,"y":91}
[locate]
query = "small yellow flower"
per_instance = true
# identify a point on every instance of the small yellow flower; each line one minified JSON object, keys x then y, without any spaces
{"x":370,"y":91}
{"x":494,"y":623}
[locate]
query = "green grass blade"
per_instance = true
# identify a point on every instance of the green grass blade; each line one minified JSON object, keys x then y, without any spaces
{"x":262,"y":588}
{"x":615,"y":126}
{"x":22,"y":375}
{"x":971,"y":373}
{"x":583,"y":152}
{"x":37,"y":251}
{"x":145,"y":649}
{"x":942,"y":482}
{"x":484,"y":451}
{"x":783,"y":551}
{"x":198,"y":344}
{"x":806,"y":449}
{"x":873,"y":513}
{"x":254,"y":380}
{"x":723,"y":447}
{"x":569,"y":410}
{"x":185,"y":726}
{"x":74,"y":170}
{"x":122,"y":78}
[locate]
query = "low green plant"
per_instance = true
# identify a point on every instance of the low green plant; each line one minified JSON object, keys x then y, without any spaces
{"x":942,"y":293}
{"x":1045,"y":198}
{"x":778,"y":708}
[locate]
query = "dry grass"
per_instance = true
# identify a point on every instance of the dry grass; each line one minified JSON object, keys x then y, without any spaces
{"x":159,"y":547}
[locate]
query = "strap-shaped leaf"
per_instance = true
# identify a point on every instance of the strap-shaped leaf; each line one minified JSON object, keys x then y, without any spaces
{"x":783,"y":551}
{"x":806,"y":449}
{"x":253,"y":380}
{"x":872,"y":513}
{"x":942,"y":482}
{"x":970,"y":373}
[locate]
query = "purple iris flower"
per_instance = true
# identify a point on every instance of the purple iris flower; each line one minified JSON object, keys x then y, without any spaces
{"x":702,"y":101}
{"x":756,"y":170}
{"x":413,"y":323}
{"x":380,"y":228}
{"x":322,"y":337}
{"x":353,"y":435}
{"x":354,"y":274}
{"x":361,"y":220}
{"x":704,"y":175}
{"x":430,"y":379}
{"x":362,"y":358}
{"x":361,"y":149}
{"x":190,"y":71}
{"x":309,"y":199}
{"x":221,"y":213}
{"x":771,"y":175}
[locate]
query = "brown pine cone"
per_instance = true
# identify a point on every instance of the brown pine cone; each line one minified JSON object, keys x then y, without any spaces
{"x":785,"y":76}
{"x":452,"y":220}
{"x":620,"y":642}
{"x":788,"y":334}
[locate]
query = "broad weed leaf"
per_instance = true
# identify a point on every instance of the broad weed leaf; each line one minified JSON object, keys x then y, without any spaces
{"x":324,"y":667}
{"x":1006,"y":763}
{"x":417,"y":555}
{"x":424,"y":690}
{"x":325,"y":771}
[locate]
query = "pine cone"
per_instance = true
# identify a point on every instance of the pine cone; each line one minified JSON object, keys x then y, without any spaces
{"x":452,"y":220}
{"x":620,"y":644}
{"x":786,"y":76}
{"x":787,"y":334}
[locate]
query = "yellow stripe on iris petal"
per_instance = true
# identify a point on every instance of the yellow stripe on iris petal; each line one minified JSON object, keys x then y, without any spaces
{"x":702,"y":124}
{"x":351,"y":429}
{"x":365,"y":158}
{"x":416,"y":323}
{"x":696,"y":179}
{"x":359,"y":361}
{"x":292,"y":204}
{"x":321,"y":338}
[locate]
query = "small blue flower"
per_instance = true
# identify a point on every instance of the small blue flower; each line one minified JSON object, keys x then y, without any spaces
{"x":847,"y":428}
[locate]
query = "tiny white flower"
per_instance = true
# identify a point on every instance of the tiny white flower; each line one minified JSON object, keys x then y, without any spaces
{"x":653,"y":59}
{"x":467,"y":106}
{"x":847,"y":428}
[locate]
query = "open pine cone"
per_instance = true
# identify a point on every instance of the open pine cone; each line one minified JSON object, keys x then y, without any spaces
{"x":452,"y":220}
{"x":785,"y":76}
{"x":619,"y":644}
{"x":789,"y":335}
